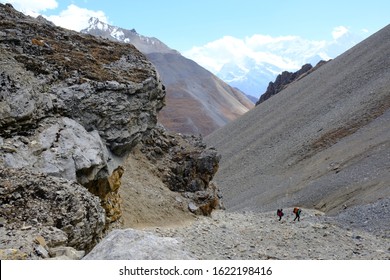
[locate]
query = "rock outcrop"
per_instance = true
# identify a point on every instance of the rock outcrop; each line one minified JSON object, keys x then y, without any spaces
{"x":40,"y":213}
{"x":286,"y":78}
{"x":65,"y":97}
{"x":186,"y":166}
{"x":72,"y":109}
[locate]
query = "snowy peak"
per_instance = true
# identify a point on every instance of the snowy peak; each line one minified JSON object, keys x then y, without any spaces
{"x":142,"y":43}
{"x":95,"y":25}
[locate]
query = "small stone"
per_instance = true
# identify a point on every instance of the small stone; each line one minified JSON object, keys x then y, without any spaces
{"x":40,"y":240}
{"x":67,"y":253}
{"x":26,"y":227}
{"x":192,"y":207}
{"x":42,"y":252}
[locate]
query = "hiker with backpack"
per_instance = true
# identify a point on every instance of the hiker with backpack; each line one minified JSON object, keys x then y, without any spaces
{"x":297,"y":213}
{"x":280,"y":213}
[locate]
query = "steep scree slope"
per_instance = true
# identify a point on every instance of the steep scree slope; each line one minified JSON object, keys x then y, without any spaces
{"x":323,"y":142}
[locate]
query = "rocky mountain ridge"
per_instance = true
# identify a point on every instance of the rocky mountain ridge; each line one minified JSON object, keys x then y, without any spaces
{"x":286,"y":78}
{"x":73,"y":109}
{"x":197,"y":101}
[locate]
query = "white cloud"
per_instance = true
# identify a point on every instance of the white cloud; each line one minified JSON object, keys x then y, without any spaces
{"x":339,"y":31}
{"x":250,"y":63}
{"x":286,"y":52}
{"x":73,"y":17}
{"x":32,"y":7}
{"x":76,"y":18}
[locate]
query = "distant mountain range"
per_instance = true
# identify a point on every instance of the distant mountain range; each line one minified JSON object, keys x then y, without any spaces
{"x":197,"y":101}
{"x":250,"y":64}
{"x":250,"y":77}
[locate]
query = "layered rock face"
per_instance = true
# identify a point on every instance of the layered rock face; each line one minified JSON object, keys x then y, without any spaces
{"x":72,"y":106}
{"x":186,"y":166}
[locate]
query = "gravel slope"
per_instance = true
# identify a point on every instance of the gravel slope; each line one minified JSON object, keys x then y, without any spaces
{"x":323,"y":143}
{"x":252,"y":235}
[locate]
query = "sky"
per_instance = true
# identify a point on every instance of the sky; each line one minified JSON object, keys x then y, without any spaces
{"x":184,"y":24}
{"x":212,"y":32}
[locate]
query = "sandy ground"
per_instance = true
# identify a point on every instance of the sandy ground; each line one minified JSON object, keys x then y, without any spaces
{"x":146,"y":201}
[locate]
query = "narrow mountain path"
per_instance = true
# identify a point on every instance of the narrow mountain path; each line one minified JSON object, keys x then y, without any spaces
{"x":230,"y":235}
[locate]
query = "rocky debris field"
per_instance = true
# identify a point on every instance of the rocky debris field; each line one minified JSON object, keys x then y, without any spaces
{"x":253,"y":235}
{"x":249,"y":235}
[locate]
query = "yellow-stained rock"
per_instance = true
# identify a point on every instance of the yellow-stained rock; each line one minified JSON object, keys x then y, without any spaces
{"x":12,"y":254}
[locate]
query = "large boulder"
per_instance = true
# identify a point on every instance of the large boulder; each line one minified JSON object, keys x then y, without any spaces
{"x":72,"y":105}
{"x":130,"y":244}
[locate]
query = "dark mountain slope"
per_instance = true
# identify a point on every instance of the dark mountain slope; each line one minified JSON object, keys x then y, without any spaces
{"x":323,"y":142}
{"x":197,"y":101}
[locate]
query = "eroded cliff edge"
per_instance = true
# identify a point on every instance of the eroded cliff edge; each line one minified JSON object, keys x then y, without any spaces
{"x":74,"y":110}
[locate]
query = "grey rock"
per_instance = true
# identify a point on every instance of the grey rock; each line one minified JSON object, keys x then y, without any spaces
{"x":67,"y":253}
{"x":132,"y":244}
{"x":64,"y":212}
{"x":192,"y":207}
{"x":120,"y":118}
{"x":41,"y":251}
{"x":188,"y":167}
{"x":61,"y":147}
{"x":285,"y":79}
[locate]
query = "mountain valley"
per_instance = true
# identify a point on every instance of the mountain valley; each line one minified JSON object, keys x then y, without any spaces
{"x":87,"y":171}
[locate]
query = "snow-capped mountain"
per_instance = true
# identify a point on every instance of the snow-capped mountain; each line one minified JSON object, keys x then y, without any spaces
{"x":144,"y":44}
{"x":249,"y":78}
{"x":197,"y":101}
{"x":251,"y":63}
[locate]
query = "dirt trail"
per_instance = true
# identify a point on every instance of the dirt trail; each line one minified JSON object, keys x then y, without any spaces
{"x":227,"y":235}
